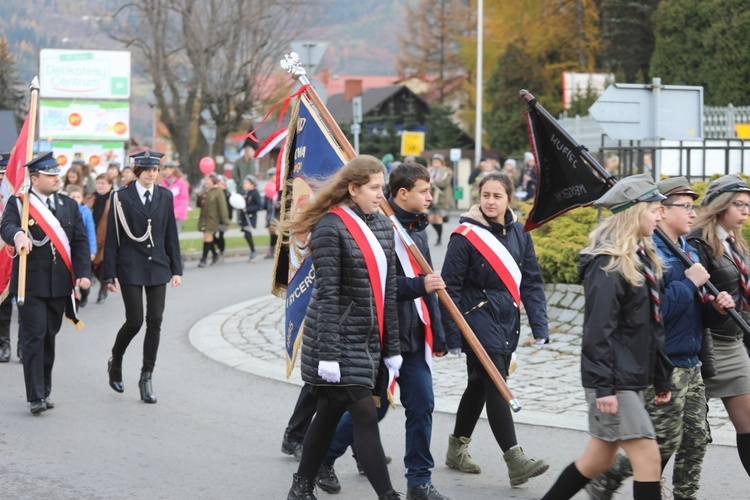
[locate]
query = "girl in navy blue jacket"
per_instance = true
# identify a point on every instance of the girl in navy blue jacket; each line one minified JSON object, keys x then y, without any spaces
{"x":490,"y":304}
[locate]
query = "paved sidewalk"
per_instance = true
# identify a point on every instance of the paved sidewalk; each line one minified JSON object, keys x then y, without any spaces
{"x":248,"y":337}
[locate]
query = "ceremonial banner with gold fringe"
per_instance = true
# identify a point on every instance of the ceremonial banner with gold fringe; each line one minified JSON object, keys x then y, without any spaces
{"x":311,"y":155}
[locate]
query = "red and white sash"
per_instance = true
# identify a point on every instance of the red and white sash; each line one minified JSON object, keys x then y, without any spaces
{"x":48,"y":223}
{"x":51,"y":227}
{"x":377,"y":269}
{"x":500,"y":259}
{"x":412,"y":270}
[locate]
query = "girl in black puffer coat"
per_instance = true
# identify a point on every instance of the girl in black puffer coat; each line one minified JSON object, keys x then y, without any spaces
{"x":350,"y":337}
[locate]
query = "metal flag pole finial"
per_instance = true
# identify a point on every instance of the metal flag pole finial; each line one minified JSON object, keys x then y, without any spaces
{"x":291,"y":64}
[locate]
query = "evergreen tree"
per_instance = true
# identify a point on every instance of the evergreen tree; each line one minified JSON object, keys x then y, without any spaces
{"x":628,"y":36}
{"x":704,"y":43}
{"x":11,"y":97}
{"x":442,"y":132}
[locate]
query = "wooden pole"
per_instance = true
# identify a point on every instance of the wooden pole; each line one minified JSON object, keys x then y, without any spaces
{"x":445,"y":299}
{"x":21,"y":299}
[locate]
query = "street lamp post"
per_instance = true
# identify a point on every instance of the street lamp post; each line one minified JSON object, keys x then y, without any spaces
{"x":478,"y":120}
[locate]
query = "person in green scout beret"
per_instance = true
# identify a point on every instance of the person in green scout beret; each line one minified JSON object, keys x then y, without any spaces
{"x":623,"y":340}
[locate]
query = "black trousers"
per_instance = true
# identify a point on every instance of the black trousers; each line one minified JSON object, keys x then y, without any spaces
{"x":40,"y":320}
{"x":304,"y":411}
{"x":132,"y":297}
{"x":6,"y":311}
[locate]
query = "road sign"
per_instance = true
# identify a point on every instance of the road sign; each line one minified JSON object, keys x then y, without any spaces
{"x":743,"y":130}
{"x":455,"y":154}
{"x":637,"y":112}
{"x":310,"y":54}
{"x":412,"y":143}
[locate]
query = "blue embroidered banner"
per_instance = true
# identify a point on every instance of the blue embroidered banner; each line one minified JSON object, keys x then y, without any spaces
{"x":311,"y":156}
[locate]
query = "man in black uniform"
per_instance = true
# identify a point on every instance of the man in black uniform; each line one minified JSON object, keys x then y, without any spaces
{"x":141,"y":252}
{"x":58,"y":260}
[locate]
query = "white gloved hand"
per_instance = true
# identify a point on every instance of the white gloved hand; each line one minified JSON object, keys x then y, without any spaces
{"x":540,"y":341}
{"x":394,"y":364}
{"x":330,"y":371}
{"x":456,"y":351}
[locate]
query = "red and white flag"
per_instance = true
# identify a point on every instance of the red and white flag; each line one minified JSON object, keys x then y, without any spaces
{"x":12,"y":182}
{"x":270,"y":143}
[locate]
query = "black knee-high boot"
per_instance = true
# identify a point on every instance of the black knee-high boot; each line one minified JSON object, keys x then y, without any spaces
{"x":743,"y":449}
{"x":567,"y":485}
{"x":206,"y":248}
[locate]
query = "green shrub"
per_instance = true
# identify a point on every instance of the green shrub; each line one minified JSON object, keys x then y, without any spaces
{"x":558,"y":242}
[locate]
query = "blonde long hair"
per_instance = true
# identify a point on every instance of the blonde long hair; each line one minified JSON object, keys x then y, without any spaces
{"x":618,"y":236}
{"x":708,"y":220}
{"x":332,"y":193}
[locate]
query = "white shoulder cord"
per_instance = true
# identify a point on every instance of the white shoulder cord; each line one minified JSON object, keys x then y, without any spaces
{"x":120,"y":217}
{"x":36,"y":243}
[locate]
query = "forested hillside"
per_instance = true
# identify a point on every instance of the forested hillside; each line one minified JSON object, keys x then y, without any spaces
{"x":362,"y":34}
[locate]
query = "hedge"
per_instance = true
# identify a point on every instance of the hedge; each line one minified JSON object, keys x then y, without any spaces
{"x":558,"y":242}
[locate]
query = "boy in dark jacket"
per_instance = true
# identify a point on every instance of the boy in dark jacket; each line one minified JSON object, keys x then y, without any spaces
{"x":681,"y":424}
{"x":421,"y":338}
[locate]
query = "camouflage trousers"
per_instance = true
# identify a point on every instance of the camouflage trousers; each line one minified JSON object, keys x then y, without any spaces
{"x":681,"y":429}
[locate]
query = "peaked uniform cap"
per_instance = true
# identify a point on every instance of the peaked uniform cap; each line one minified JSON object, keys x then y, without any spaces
{"x":4,"y":158}
{"x":628,"y":192}
{"x":731,"y":183}
{"x":677,"y":186}
{"x":147,"y":159}
{"x":44,"y":164}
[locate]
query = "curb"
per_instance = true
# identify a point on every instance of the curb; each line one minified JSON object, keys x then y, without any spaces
{"x":206,"y":336}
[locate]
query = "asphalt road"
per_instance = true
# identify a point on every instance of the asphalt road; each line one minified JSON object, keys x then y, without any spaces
{"x":215,"y":432}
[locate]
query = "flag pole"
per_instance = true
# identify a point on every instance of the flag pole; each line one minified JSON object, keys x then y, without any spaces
{"x":611,"y":180}
{"x":21,"y":299}
{"x":291,"y":64}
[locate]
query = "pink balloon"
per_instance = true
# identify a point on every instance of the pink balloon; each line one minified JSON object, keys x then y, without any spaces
{"x":207,"y":165}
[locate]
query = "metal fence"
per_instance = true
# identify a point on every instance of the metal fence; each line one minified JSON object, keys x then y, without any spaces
{"x":720,"y":152}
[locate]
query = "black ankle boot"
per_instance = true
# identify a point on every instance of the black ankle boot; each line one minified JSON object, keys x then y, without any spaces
{"x":389,"y":495}
{"x":302,"y":489}
{"x":147,"y":394}
{"x":115,"y":376}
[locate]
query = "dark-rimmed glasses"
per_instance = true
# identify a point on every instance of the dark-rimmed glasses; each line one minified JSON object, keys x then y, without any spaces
{"x":686,"y":207}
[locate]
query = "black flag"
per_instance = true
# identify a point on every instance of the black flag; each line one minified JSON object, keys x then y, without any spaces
{"x":565,"y":180}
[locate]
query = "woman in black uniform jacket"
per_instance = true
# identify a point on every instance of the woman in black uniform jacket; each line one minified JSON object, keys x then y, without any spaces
{"x":142,"y":252}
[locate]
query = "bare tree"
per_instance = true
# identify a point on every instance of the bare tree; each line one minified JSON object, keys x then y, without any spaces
{"x":431,"y":44}
{"x":208,"y":54}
